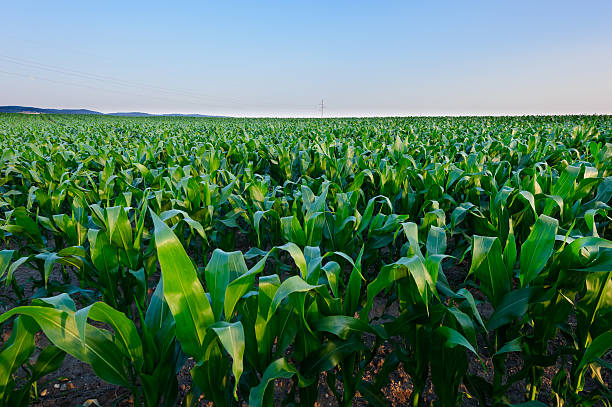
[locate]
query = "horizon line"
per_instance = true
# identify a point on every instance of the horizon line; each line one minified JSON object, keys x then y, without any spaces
{"x":315,"y":116}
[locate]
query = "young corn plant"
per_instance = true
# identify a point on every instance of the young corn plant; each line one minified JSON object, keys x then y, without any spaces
{"x":15,"y":354}
{"x":144,"y":361}
{"x":432,"y":333}
{"x":553,"y":284}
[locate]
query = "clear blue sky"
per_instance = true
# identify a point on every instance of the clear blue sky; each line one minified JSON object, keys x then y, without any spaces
{"x":281,"y":58}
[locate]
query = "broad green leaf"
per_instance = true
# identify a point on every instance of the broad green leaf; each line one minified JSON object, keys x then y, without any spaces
{"x":511,"y":346}
{"x":472,"y":305}
{"x":231,"y":336}
{"x":5,"y":260}
{"x":411,"y":231}
{"x":436,"y":241}
{"x":404,"y":267}
{"x":537,"y":249}
{"x":240,"y":286}
{"x":123,"y":327}
{"x":182,"y":289}
{"x":599,"y":346}
{"x":488,"y":266}
{"x":49,"y":360}
{"x":279,"y":369}
{"x":353,"y":288}
{"x":330,"y":354}
{"x":454,"y":338}
{"x":16,"y":351}
{"x":332,"y":272}
{"x":344,"y":326}
{"x":513,"y":305}
{"x":291,"y":285}
{"x":222,"y":268}
{"x":298,"y":257}
{"x":98,"y":350}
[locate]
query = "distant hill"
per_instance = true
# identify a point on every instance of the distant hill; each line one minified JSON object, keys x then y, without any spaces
{"x":132,"y":114}
{"x":27,"y":109}
{"x":35,"y":110}
{"x":190,"y":115}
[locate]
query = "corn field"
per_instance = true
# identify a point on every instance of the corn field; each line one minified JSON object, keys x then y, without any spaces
{"x":471,"y":254}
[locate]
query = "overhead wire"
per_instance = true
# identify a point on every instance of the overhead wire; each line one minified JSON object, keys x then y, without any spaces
{"x":225,"y":102}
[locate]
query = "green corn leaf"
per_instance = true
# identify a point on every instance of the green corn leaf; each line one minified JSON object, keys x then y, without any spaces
{"x":330,"y":354}
{"x":49,"y":360}
{"x":14,"y":266}
{"x":292,"y":231}
{"x":436,"y":241}
{"x":16,"y":350}
{"x":5,"y":260}
{"x":466,"y":324}
{"x":222,"y":268}
{"x":513,"y":305}
{"x":406,"y":266}
{"x":159,"y":322}
{"x":124,"y":329}
{"x":62,"y":302}
{"x":291,"y":285}
{"x":538,"y":248}
{"x":231,"y":336}
{"x":332,"y":272}
{"x":268,"y":286}
{"x":279,"y":369}
{"x":353,"y":288}
{"x":298,"y":257}
{"x":510,"y":254}
{"x":119,"y":228}
{"x":411,"y":231}
{"x":454,"y":338}
{"x":240,"y":286}
{"x":511,"y":346}
{"x":243,"y":283}
{"x":344,"y":326}
{"x":463,"y":293}
{"x":182,"y":289}
{"x":257,"y":218}
{"x":530,"y":199}
{"x":599,"y":346}
{"x":98,"y":350}
{"x":601,"y":264}
{"x":194,"y":225}
{"x":488,"y":266}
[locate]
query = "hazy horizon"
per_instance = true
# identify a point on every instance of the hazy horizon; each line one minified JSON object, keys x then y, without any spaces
{"x":276,"y":59}
{"x":450,"y":115}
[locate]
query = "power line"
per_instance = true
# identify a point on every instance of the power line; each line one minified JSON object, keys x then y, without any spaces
{"x":85,"y":86}
{"x":225,"y":102}
{"x":96,"y":77}
{"x":113,"y":91}
{"x":109,"y":79}
{"x":322,"y":107}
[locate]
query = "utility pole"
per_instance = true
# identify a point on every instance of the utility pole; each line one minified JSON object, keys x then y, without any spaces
{"x":322,"y":107}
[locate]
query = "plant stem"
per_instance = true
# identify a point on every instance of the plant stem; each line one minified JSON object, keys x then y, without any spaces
{"x":416,"y":395}
{"x":533,"y":391}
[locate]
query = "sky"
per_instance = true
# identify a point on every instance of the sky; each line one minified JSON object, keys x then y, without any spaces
{"x":281,"y":58}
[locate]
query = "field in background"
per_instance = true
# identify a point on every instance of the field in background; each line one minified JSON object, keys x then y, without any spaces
{"x":388,"y":261}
